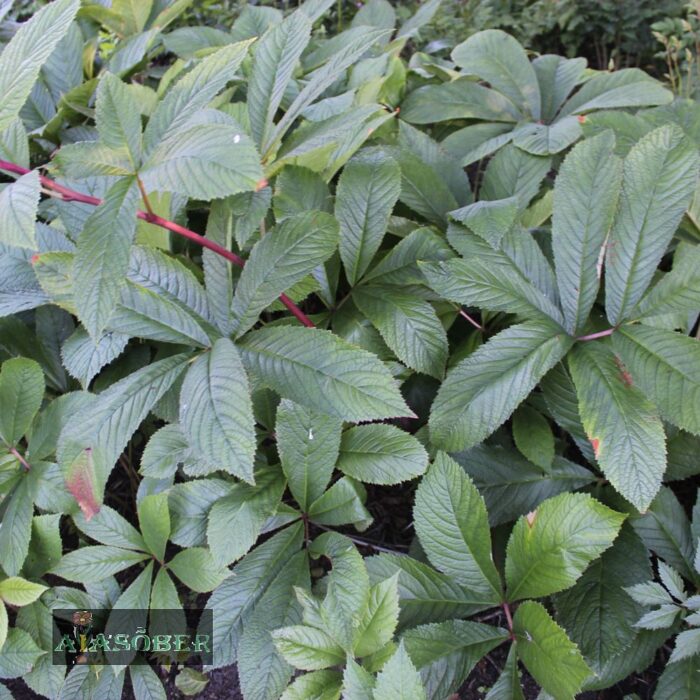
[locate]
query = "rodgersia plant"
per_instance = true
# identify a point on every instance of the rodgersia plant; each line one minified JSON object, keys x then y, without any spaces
{"x":243,"y":296}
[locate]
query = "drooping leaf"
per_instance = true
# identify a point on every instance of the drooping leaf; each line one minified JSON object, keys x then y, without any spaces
{"x":452,"y":525}
{"x":659,"y":176}
{"x":216,"y":412}
{"x":482,"y":391}
{"x":553,"y":545}
{"x":321,"y":371}
{"x":621,"y":423}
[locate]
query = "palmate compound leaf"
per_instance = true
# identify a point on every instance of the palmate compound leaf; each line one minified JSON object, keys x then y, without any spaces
{"x":482,"y":391}
{"x":552,"y":659}
{"x":279,"y":260}
{"x":665,"y":365}
{"x":452,"y":525}
{"x":586,"y":194}
{"x":621,"y":423}
{"x":321,"y":371}
{"x":552,"y":546}
{"x":659,"y":177}
{"x":27,"y":51}
{"x":216,"y":412}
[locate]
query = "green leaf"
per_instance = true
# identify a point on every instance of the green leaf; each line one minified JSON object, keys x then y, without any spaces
{"x":621,"y":423}
{"x":154,"y":519}
{"x":207,"y":161}
{"x":18,"y":591}
{"x":308,"y":443}
{"x":102,"y":257}
{"x":508,"y":687}
{"x":191,"y":682}
{"x":110,"y":528}
{"x":320,"y":685}
{"x":553,"y":545}
{"x":4,"y":625}
{"x":452,"y":525}
{"x":196,"y":568}
{"x":367,"y":191}
{"x":586,"y":194}
{"x":409,"y":326}
{"x":381,"y":454}
{"x":45,"y":545}
{"x":235,"y":522}
{"x":233,"y":602}
{"x":533,"y":436}
{"x":193,"y":92}
{"x":27,"y":51}
{"x":216,"y":412}
{"x":381,"y":616}
{"x":664,"y":364}
{"x":358,"y":683}
{"x":490,"y":220}
{"x":307,"y":648}
{"x":95,"y":563}
{"x":597,"y":613}
{"x":490,"y":282}
{"x":321,"y":371}
{"x":263,"y":673}
{"x":21,"y":394}
{"x":498,"y":59}
{"x":16,"y":529}
{"x":658,"y":181}
{"x":342,"y":504}
{"x":445,"y":653}
{"x":425,"y":595}
{"x":679,"y":681}
{"x":459,"y":99}
{"x":84,"y":357}
{"x":275,"y":58}
{"x":629,"y":87}
{"x":548,"y":139}
{"x":548,"y":654}
{"x":512,"y":486}
{"x":347,"y":588}
{"x":19,"y":653}
{"x":279,"y":260}
{"x":422,"y":16}
{"x":18,"y":207}
{"x":118,"y":117}
{"x":399,"y":679}
{"x":146,"y":684}
{"x":482,"y":391}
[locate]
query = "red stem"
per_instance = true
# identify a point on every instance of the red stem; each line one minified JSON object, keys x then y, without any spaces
{"x":509,"y":620}
{"x":21,"y":459}
{"x":600,"y":334}
{"x":474,"y":323}
{"x":70,"y":195}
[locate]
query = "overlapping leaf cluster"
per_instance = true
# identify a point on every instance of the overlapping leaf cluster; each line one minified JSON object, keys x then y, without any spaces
{"x":246,"y":284}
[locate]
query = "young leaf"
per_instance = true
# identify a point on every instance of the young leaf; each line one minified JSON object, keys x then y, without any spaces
{"x":279,"y":260}
{"x":102,"y":257}
{"x":18,"y":591}
{"x":665,"y":366}
{"x":482,"y":391}
{"x":27,"y":51}
{"x":548,"y":654}
{"x":308,"y":445}
{"x":21,"y":394}
{"x":621,"y":423}
{"x":367,"y":191}
{"x":216,"y":412}
{"x":586,"y":194}
{"x":452,"y":525}
{"x":553,"y":545}
{"x":381,"y":616}
{"x":321,"y":371}
{"x":399,"y":679}
{"x":659,"y":178}
{"x":18,"y":206}
{"x":409,"y":326}
{"x":307,"y":648}
{"x":381,"y":454}
{"x":275,"y":57}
